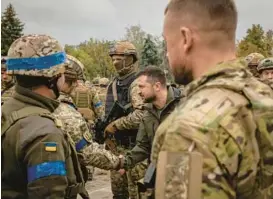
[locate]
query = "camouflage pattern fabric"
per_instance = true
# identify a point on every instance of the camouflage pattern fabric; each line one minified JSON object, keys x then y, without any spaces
{"x":75,"y":125}
{"x":7,"y":94}
{"x":253,"y":60}
{"x":132,"y":120}
{"x":92,"y":95}
{"x":219,"y":120}
{"x":34,"y":46}
{"x":125,"y":186}
{"x":127,"y":56}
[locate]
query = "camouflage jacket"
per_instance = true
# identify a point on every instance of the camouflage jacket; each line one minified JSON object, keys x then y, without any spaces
{"x":217,"y":118}
{"x":37,"y":158}
{"x":91,"y":154}
{"x":132,"y":120}
{"x":268,"y":82}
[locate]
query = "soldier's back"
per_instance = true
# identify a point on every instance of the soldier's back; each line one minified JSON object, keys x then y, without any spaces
{"x":222,"y":114}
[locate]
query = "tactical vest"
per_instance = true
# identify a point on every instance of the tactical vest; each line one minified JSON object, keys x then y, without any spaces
{"x":15,"y":116}
{"x":83,"y":100}
{"x":119,"y":90}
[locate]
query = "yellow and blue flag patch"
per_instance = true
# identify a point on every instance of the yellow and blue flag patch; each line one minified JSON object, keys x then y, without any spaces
{"x":51,"y":146}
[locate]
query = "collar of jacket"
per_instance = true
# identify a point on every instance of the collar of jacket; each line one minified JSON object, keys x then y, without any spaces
{"x":172,"y":95}
{"x":224,"y":71}
{"x":29,"y":97}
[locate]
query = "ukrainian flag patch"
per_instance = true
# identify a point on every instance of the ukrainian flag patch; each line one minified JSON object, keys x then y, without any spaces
{"x":50,"y":146}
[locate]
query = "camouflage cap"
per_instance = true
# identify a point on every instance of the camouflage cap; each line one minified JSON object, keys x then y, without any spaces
{"x":265,"y":64}
{"x":123,"y":48}
{"x":70,"y":73}
{"x":77,"y":66}
{"x":104,"y":81}
{"x":254,"y":59}
{"x":36,"y":55}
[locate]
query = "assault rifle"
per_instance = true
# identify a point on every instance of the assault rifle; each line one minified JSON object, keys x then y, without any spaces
{"x":117,"y":111}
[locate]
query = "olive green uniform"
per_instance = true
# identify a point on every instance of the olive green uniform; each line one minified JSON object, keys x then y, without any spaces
{"x":150,"y":121}
{"x":38,"y":159}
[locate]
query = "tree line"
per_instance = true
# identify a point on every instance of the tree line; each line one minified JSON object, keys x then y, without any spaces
{"x":151,"y":49}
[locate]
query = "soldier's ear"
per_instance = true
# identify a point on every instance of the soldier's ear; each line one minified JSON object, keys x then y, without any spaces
{"x":157,"y":86}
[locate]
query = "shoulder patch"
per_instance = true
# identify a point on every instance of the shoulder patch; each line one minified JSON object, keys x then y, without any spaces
{"x":208,"y":104}
{"x":35,"y":126}
{"x":50,"y":146}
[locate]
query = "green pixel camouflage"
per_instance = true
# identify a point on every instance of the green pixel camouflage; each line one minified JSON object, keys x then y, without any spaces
{"x":34,"y":46}
{"x":74,"y":124}
{"x":228,"y":115}
{"x":125,"y":186}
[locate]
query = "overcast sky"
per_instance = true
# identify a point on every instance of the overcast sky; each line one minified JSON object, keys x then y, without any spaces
{"x":74,"y":21}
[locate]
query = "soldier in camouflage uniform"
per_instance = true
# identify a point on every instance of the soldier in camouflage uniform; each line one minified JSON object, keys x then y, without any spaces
{"x":124,"y":89}
{"x":7,"y":84}
{"x":87,"y":101}
{"x":253,"y":61}
{"x":227,"y":115}
{"x":39,"y":160}
{"x":103,"y":84}
{"x":265,"y":69}
{"x":90,"y":154}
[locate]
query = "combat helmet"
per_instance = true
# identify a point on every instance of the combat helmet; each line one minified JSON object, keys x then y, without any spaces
{"x":70,"y":73}
{"x":3,"y":62}
{"x":104,"y":81}
{"x":36,"y":55}
{"x":77,"y":66}
{"x":95,"y":81}
{"x":265,"y":64}
{"x":124,"y":48}
{"x":253,"y":59}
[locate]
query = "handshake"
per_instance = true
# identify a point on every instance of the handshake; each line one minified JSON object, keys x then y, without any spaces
{"x":120,"y":166}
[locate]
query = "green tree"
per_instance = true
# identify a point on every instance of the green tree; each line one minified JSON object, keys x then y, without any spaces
{"x":94,"y":56}
{"x":11,"y":28}
{"x":150,"y":55}
{"x":137,"y":36}
{"x":269,"y":42}
{"x":254,"y":41}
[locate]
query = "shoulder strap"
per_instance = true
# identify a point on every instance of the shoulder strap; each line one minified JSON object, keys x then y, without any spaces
{"x":114,"y":89}
{"x":14,"y":116}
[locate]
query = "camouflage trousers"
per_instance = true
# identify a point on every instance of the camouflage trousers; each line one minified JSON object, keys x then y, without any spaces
{"x":125,"y":186}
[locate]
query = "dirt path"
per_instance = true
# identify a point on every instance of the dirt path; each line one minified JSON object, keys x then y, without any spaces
{"x":99,"y":187}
